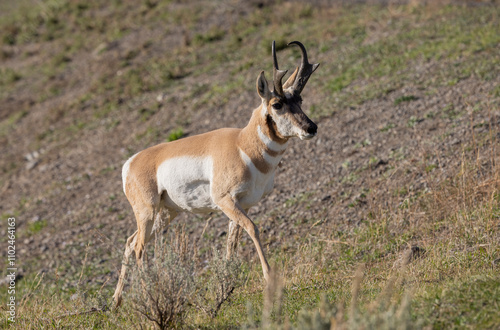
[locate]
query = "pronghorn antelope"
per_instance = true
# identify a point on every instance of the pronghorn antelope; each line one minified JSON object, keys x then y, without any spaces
{"x":228,"y":169}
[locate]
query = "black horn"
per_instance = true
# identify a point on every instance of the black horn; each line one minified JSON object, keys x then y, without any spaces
{"x":277,"y":74}
{"x":306,"y":69}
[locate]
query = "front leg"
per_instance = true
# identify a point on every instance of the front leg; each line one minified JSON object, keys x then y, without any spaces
{"x":235,"y":213}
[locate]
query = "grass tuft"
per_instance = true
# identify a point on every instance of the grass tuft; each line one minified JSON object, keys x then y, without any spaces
{"x":175,"y":134}
{"x":405,"y":98}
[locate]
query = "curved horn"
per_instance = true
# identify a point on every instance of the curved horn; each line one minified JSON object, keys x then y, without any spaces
{"x":305,"y":70}
{"x":277,"y":74}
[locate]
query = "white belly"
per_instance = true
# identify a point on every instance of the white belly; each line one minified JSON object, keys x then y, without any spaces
{"x":187,"y":181}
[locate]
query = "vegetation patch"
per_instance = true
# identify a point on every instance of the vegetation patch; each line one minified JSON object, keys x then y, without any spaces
{"x":405,"y":98}
{"x":175,"y":134}
{"x":36,"y":226}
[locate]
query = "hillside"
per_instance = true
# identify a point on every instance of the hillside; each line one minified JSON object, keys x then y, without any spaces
{"x":407,"y":104}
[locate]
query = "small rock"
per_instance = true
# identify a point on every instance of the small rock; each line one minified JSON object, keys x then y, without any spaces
{"x":31,"y":165}
{"x":161,"y":97}
{"x":326,"y":198}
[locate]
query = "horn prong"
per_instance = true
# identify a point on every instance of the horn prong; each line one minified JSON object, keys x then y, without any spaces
{"x":305,"y":69}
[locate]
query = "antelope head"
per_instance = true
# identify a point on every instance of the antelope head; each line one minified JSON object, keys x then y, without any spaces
{"x":282,"y":104}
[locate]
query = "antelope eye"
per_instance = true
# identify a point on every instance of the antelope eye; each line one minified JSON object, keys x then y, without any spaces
{"x":277,"y":106}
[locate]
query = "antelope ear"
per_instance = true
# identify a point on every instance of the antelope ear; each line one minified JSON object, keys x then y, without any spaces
{"x":289,"y":82}
{"x":263,"y":88}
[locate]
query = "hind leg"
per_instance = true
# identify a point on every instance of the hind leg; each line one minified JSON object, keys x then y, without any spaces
{"x":129,"y":248}
{"x":145,"y":223}
{"x":233,"y":237}
{"x":144,"y":215}
{"x":163,"y":218}
{"x":148,"y":223}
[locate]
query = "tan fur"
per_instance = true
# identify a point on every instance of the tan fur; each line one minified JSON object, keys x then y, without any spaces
{"x":253,"y":146}
{"x":221,"y":144}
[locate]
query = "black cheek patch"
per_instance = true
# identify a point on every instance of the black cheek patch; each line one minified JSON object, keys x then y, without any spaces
{"x":273,"y":128}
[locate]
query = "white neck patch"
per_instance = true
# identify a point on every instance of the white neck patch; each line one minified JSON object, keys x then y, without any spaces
{"x":273,"y":161}
{"x":273,"y":145}
{"x":263,"y":111}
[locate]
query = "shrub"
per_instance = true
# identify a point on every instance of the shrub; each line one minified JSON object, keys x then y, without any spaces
{"x":161,"y":290}
{"x":218,"y":286}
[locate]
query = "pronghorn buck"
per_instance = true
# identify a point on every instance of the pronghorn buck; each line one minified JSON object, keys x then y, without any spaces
{"x":228,"y":170}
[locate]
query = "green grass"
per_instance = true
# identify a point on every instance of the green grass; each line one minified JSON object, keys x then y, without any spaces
{"x":405,"y":98}
{"x":8,"y":76}
{"x":37,"y":226}
{"x":175,"y":134}
{"x":467,"y":303}
{"x":9,"y":123}
{"x":387,"y":127}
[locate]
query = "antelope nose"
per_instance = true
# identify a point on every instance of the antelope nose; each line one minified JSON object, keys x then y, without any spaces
{"x":312,"y":129}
